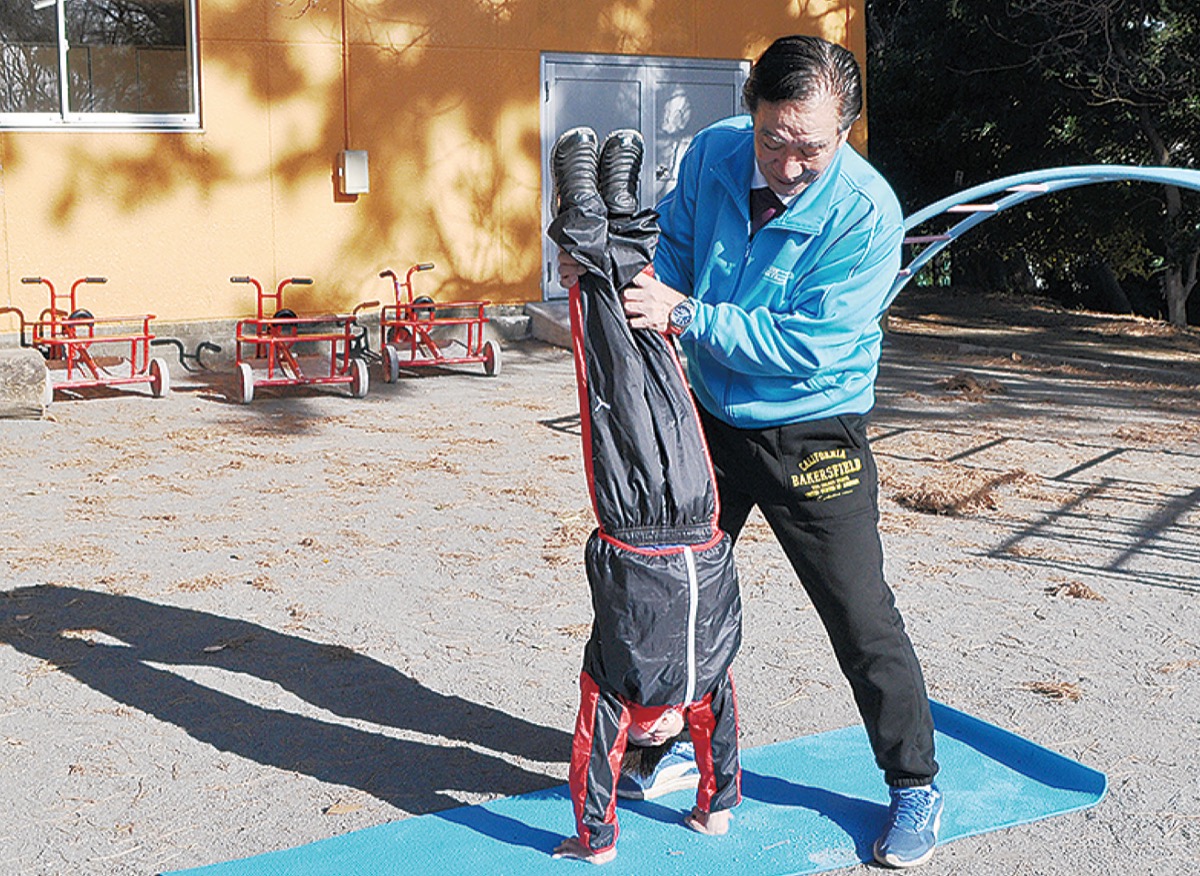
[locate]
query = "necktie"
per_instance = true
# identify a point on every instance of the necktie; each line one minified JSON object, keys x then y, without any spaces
{"x":764,"y":206}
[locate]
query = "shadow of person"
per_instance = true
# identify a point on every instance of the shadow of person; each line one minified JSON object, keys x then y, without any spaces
{"x":505,"y":828}
{"x":416,"y":776}
{"x":859,"y":819}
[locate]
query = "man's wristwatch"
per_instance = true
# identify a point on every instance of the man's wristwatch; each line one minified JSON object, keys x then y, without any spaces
{"x":681,"y":317}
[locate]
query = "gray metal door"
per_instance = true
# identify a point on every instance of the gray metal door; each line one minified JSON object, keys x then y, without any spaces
{"x":667,"y":99}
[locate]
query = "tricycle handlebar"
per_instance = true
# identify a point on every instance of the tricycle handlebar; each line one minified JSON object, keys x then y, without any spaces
{"x":80,"y":282}
{"x":420,"y":266}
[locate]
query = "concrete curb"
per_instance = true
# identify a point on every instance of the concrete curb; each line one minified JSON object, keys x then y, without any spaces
{"x":550,"y":321}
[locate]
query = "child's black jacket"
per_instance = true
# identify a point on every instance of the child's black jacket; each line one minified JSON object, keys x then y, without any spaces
{"x":663,"y":583}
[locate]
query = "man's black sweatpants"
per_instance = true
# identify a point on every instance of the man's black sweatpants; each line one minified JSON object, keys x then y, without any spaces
{"x":817,"y":486}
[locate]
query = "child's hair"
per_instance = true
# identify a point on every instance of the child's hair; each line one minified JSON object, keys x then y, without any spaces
{"x":642,"y":759}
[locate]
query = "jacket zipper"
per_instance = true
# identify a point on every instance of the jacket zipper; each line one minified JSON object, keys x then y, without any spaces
{"x":737,"y":284}
{"x":693,"y":607}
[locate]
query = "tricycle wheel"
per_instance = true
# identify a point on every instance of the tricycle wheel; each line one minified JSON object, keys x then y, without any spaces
{"x":160,"y":378}
{"x":427,"y":310}
{"x":491,"y":358}
{"x":285,"y":313}
{"x":82,"y":314}
{"x":399,"y":336}
{"x":245,"y":383}
{"x":360,"y":380}
{"x":391,"y":364}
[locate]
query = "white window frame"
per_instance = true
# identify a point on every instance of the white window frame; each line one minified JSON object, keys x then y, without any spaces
{"x":91,"y":121}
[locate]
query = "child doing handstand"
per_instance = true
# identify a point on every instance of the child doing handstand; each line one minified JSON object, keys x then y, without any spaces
{"x":666,"y":610}
{"x":614,"y":731}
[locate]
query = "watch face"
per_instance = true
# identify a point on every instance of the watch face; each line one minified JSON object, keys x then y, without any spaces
{"x":681,"y":314}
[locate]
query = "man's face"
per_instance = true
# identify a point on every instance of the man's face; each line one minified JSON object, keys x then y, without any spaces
{"x":794,"y":141}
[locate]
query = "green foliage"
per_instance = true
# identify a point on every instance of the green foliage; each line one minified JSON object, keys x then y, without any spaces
{"x":966,"y":92}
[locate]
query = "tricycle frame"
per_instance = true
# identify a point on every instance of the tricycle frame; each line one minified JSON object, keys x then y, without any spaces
{"x":75,"y":351}
{"x":274,"y":337}
{"x":407,"y":329}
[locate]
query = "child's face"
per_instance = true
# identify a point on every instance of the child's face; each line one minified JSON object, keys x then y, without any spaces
{"x":666,"y":726}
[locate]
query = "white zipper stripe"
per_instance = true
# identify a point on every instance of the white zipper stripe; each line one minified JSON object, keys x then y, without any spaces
{"x":693,"y":607}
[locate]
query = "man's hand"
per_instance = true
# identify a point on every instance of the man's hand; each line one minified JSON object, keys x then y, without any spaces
{"x":648,"y":302}
{"x":569,"y":270}
{"x":709,"y":823}
{"x":573,"y":847}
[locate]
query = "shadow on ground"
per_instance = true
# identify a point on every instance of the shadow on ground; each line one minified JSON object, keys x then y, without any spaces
{"x":116,"y":644}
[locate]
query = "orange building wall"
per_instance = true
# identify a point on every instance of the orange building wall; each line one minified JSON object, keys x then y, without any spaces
{"x":442,"y":94}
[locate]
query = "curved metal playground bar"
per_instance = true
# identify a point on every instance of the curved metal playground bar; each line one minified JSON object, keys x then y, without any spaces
{"x":1018,"y":189}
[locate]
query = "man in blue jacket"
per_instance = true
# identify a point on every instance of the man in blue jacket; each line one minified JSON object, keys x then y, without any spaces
{"x":775,"y":261}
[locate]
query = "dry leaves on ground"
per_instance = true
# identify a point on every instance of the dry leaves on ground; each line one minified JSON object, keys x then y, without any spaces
{"x":1179,"y":666}
{"x":1075,"y":590}
{"x":1056,"y":690}
{"x":952,"y":490}
{"x":970,"y":387}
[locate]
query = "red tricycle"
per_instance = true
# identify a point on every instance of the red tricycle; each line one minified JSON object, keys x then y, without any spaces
{"x":412,"y":330}
{"x":79,"y":356}
{"x":276,"y":338}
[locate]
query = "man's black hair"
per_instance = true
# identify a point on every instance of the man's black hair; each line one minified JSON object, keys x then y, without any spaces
{"x":803,"y":68}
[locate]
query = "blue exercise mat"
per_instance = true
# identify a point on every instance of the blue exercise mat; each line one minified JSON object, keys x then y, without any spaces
{"x":808,"y":805}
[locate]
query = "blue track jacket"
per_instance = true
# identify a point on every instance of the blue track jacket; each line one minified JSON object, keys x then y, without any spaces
{"x":787,"y":327}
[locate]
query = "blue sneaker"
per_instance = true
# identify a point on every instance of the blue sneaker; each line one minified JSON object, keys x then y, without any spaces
{"x":912,"y":827}
{"x":677,"y":771}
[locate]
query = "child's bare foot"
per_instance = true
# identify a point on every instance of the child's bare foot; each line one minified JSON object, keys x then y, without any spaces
{"x":711,"y":823}
{"x":572,"y":847}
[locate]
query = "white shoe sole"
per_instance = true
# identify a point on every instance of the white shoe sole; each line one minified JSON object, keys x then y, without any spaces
{"x":897,"y":863}
{"x":666,"y":784}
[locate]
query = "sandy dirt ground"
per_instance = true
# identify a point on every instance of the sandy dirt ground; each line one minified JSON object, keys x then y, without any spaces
{"x":228,"y":629}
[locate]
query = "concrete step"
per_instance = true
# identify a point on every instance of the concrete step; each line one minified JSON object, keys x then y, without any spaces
{"x":550,"y":321}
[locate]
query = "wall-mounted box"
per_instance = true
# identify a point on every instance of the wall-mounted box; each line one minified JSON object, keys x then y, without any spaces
{"x":353,"y":175}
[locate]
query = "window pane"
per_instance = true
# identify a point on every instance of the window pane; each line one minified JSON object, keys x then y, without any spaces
{"x":28,"y":57}
{"x":129,"y":56}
